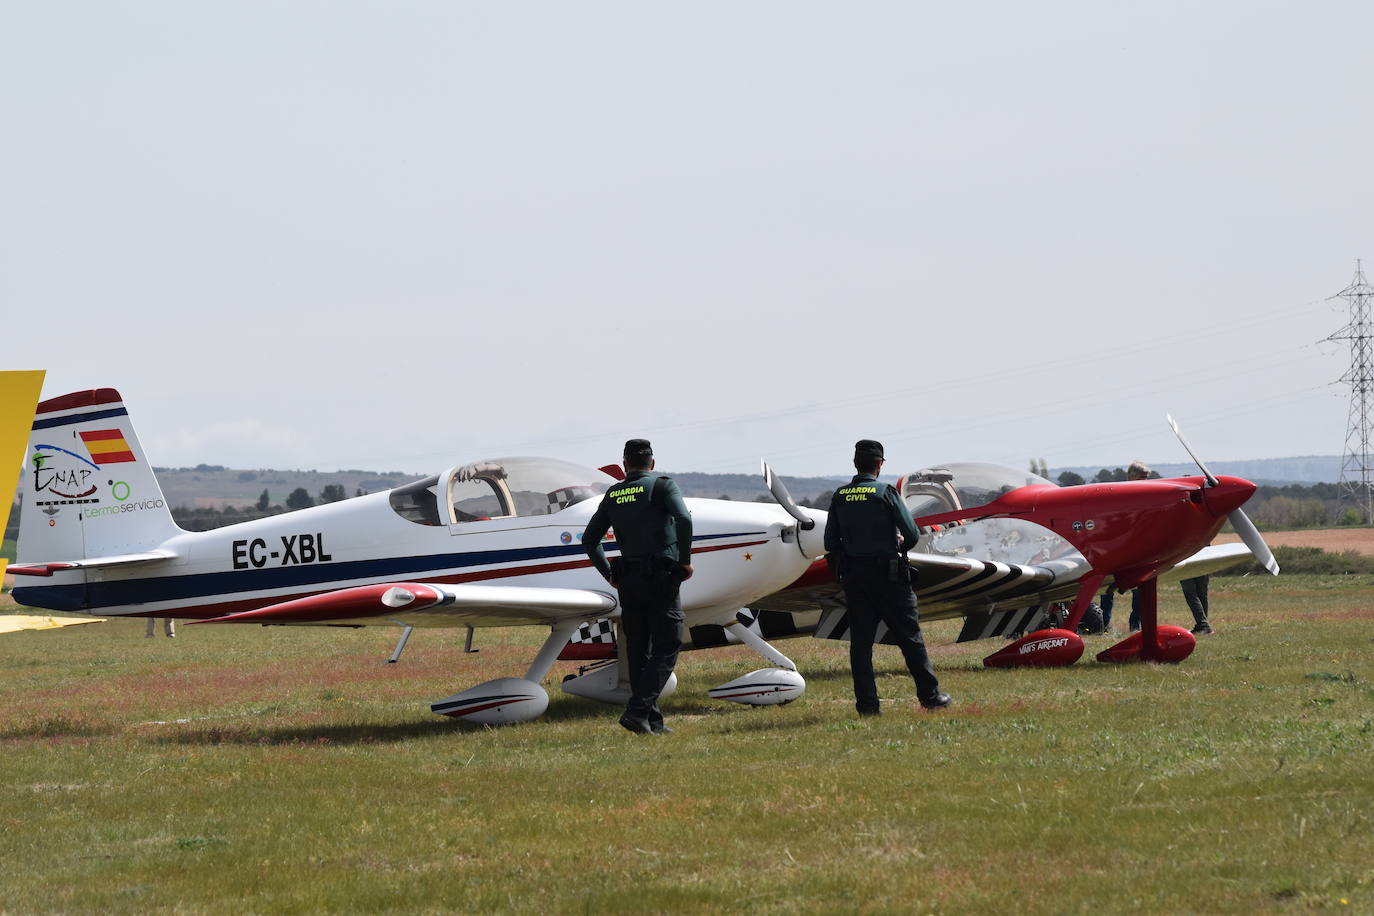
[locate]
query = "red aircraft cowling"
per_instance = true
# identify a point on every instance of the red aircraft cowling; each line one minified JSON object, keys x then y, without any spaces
{"x":1041,"y":649}
{"x":1130,"y":529}
{"x":1174,"y":645}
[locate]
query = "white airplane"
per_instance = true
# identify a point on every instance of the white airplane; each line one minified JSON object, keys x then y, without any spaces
{"x":498,"y":543}
{"x":487,"y":543}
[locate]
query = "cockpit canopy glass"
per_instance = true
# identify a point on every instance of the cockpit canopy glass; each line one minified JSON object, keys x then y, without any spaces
{"x":968,"y":485}
{"x":415,"y":502}
{"x":499,"y":488}
{"x":961,"y":485}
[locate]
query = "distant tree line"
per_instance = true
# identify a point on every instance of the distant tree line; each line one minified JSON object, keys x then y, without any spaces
{"x":204,"y":518}
{"x":1294,"y":505}
{"x":1070,"y":479}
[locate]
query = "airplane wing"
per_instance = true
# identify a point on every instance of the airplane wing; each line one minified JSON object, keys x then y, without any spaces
{"x":996,"y":598}
{"x":946,"y":586}
{"x":432,"y":605}
{"x":1209,"y":560}
{"x":126,"y":559}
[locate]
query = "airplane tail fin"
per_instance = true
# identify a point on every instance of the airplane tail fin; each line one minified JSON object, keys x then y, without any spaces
{"x":88,"y":489}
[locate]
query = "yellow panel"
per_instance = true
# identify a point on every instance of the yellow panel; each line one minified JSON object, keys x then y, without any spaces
{"x":18,"y":398}
{"x":17,"y":623}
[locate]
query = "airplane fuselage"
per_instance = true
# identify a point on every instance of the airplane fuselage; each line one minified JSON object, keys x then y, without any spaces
{"x":741,"y":552}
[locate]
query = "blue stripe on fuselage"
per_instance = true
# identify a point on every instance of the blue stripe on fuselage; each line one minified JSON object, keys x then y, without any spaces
{"x":202,"y":585}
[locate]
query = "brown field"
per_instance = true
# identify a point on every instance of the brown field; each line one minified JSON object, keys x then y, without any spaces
{"x":1333,"y":540}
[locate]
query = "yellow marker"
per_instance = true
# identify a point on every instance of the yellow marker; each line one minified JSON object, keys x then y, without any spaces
{"x":18,"y":400}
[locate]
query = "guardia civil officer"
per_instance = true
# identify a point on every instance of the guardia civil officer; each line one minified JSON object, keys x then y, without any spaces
{"x":654,"y":532}
{"x":862,"y":546}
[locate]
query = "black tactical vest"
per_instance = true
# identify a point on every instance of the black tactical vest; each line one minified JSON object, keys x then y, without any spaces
{"x":643,"y":527}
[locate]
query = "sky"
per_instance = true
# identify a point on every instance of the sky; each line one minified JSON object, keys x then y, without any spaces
{"x":406,"y":235}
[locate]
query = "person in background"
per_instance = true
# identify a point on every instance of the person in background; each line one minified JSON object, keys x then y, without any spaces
{"x":1195,"y":593}
{"x":169,"y":626}
{"x":1138,"y":470}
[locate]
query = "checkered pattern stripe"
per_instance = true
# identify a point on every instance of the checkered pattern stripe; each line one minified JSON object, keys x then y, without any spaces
{"x":998,"y":623}
{"x":562,"y":499}
{"x":598,"y":631}
{"x":834,"y":624}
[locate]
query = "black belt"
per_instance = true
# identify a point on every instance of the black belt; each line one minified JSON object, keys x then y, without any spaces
{"x":653,"y":565}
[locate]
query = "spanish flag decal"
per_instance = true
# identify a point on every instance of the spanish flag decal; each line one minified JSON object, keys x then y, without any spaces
{"x":107,"y":446}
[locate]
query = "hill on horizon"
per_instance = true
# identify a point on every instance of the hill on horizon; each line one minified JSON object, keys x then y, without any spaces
{"x":1275,"y":471}
{"x":216,"y":486}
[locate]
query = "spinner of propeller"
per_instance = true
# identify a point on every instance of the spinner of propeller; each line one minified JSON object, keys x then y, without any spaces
{"x":1239,"y":520}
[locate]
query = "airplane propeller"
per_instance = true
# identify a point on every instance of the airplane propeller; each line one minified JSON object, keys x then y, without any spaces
{"x":775,"y":486}
{"x":1173,"y":424}
{"x":1238,"y":519}
{"x":810,"y":537}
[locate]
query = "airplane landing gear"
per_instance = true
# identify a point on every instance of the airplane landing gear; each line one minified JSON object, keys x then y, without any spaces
{"x":507,"y":700}
{"x":774,"y":686}
{"x":400,"y":645}
{"x":1154,"y":643}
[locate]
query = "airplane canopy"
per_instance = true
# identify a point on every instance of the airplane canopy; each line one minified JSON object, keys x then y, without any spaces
{"x":960,"y":485}
{"x":498,"y":488}
{"x":968,"y":485}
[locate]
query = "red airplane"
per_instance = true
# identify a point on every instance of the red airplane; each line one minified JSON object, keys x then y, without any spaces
{"x":1008,"y":544}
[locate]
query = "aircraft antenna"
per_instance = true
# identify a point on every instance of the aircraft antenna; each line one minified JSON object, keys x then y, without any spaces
{"x":1357,"y":466}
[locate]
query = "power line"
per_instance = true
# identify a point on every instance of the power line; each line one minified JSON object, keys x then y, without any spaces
{"x":1356,"y":469}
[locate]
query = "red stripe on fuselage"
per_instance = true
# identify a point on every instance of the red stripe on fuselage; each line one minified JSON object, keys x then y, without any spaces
{"x":223,"y":609}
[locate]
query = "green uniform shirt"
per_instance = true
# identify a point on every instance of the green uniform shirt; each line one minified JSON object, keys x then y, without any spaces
{"x":864,"y":519}
{"x":650,"y":520}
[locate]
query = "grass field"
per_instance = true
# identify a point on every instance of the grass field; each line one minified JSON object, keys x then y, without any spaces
{"x":271,"y":770}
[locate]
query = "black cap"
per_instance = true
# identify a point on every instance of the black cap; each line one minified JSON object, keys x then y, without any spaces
{"x":639,"y":448}
{"x":868,"y":448}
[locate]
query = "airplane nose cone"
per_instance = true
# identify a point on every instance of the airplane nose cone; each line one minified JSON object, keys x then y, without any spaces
{"x":1229,"y":494}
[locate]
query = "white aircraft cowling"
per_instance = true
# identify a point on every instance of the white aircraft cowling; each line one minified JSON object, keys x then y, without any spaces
{"x":504,"y":701}
{"x":764,"y":687}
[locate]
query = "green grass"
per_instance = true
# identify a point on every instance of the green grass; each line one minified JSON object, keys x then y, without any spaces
{"x":290,"y":771}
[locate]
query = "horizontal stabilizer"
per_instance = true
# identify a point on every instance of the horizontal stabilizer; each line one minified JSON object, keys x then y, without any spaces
{"x":127,"y":559}
{"x":15,"y":623}
{"x":399,"y":599}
